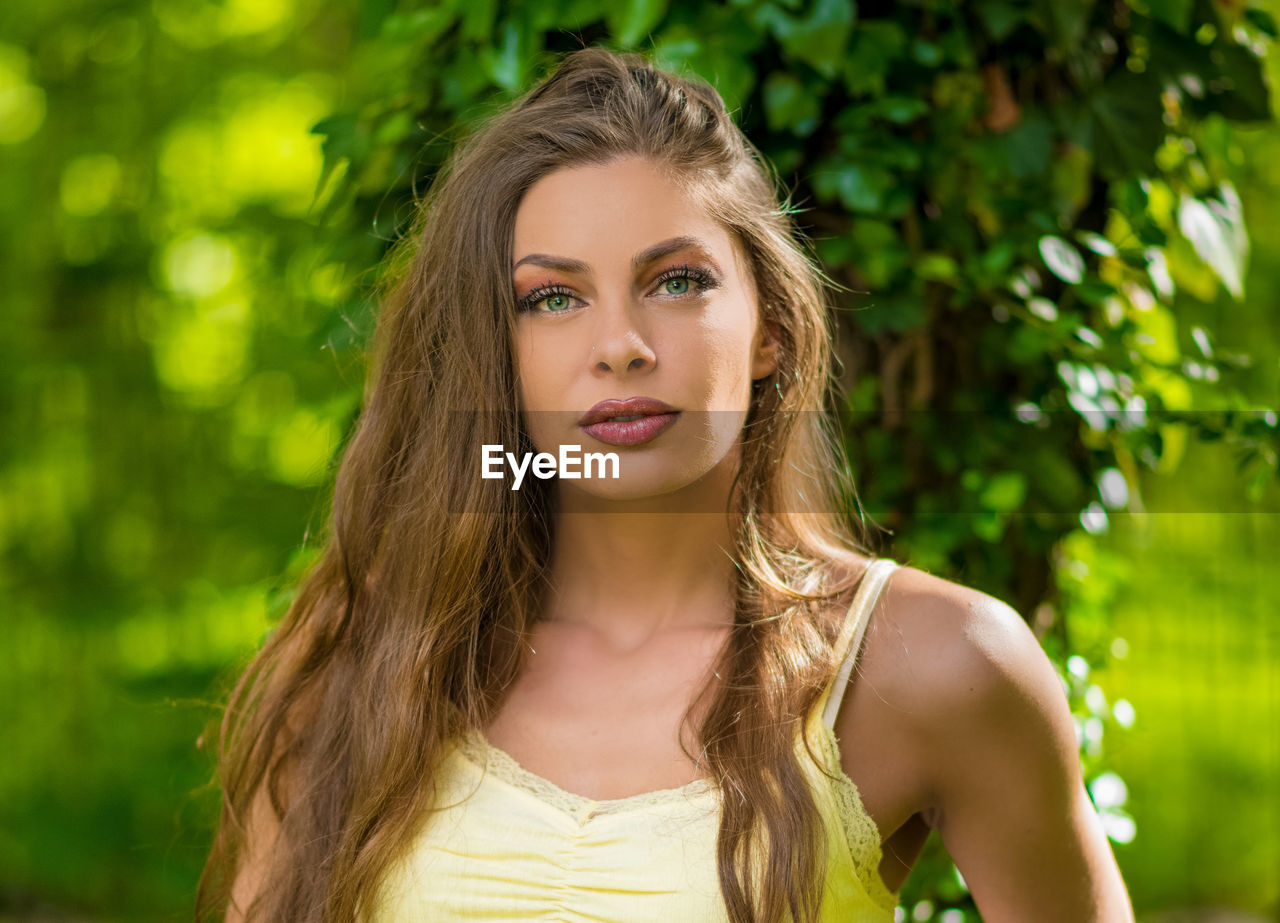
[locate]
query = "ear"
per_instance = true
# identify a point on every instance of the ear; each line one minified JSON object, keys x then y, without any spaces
{"x":764,"y":356}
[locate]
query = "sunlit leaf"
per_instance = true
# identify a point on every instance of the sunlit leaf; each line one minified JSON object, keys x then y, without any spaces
{"x":1063,"y":260}
{"x":1004,"y":492}
{"x":1043,"y":308}
{"x":1218,"y":237}
{"x":937,"y":266}
{"x":1097,"y":243}
{"x":504,"y":61}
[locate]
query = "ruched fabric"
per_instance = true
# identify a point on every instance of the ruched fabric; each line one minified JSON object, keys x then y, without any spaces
{"x":507,"y":844}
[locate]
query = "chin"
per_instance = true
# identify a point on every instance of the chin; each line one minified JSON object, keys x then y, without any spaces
{"x":650,"y":485}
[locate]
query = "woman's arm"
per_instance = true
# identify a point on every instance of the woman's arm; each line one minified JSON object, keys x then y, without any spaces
{"x":1011,"y":805}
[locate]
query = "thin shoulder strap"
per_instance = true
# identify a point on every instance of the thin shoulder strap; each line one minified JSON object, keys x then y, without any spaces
{"x":855,"y":625}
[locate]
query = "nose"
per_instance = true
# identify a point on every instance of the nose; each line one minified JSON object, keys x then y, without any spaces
{"x":619,"y":345}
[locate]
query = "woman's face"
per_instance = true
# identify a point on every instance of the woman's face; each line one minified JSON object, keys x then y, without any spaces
{"x":626,"y":288}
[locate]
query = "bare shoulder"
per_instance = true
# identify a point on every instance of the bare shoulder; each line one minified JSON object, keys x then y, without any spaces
{"x":951,"y":638}
{"x":960,"y":722}
{"x":942,"y":657}
{"x":992,"y":753}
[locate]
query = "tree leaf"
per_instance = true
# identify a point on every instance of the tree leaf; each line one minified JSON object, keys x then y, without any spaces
{"x":634,"y":20}
{"x":1096,"y":242}
{"x":1004,"y":492}
{"x":1062,"y":22}
{"x":788,"y":105}
{"x":1174,"y":13}
{"x":1071,"y":181}
{"x":1063,"y":260}
{"x":477,"y":18}
{"x":819,"y":39}
{"x":1245,"y":96}
{"x":938,"y":267}
{"x":862,"y":187}
{"x":1028,"y":145}
{"x":1218,"y":236}
{"x":876,"y":44}
{"x":503,"y":63}
{"x":1262,"y":21}
{"x":1128,"y":124}
{"x":1000,"y":18}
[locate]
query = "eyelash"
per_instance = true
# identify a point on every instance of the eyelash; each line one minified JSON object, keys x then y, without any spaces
{"x":701,"y":277}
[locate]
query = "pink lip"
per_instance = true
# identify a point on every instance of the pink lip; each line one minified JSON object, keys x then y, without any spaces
{"x":631,"y":406}
{"x":633,"y":432}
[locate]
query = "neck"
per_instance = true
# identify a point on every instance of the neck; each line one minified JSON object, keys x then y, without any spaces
{"x":632,"y":570}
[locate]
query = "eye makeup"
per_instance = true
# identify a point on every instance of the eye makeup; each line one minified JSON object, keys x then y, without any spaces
{"x":702,"y":278}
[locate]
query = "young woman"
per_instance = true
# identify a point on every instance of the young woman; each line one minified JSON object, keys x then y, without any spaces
{"x":628,"y":698}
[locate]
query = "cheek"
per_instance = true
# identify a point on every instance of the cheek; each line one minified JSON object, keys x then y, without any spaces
{"x":726,"y":347}
{"x":542,"y":375}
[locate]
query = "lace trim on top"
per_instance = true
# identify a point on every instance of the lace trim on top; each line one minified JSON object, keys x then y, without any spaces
{"x":477,"y":748}
{"x":860,"y":827}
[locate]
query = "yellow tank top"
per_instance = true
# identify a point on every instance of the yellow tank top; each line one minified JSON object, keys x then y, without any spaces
{"x":510,"y":845}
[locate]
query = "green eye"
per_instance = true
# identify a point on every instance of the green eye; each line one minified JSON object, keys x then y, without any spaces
{"x":556,"y":299}
{"x":679,"y":281}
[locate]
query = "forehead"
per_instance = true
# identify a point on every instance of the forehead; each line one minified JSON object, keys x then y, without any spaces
{"x":608,"y":212}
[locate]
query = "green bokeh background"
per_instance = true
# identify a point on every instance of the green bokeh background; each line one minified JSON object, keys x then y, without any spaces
{"x":179,"y":363}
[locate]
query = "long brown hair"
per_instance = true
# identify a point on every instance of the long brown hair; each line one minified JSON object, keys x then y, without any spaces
{"x":408,"y":628}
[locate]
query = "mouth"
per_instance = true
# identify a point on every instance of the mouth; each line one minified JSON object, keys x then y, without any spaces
{"x":631,"y":410}
{"x":631,"y":429}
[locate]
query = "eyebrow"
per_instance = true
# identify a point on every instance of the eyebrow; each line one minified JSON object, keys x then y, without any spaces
{"x":640,"y":260}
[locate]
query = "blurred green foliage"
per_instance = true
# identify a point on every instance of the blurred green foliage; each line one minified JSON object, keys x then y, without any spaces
{"x":168,"y":413}
{"x":1031,"y":204}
